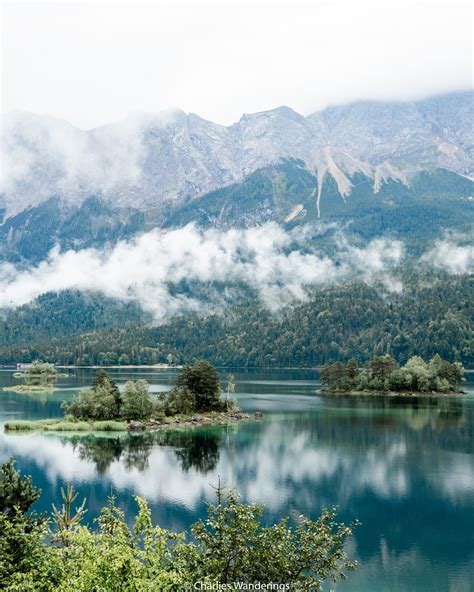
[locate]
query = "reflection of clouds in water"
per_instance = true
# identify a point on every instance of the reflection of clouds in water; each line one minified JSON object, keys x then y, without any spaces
{"x":270,"y":468}
{"x":279,"y":463}
{"x":57,"y":459}
{"x":405,"y":570}
{"x":458,"y":481}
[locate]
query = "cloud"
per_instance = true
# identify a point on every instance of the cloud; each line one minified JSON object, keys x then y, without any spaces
{"x":449,"y":256}
{"x":153,"y":268}
{"x":71,"y":161}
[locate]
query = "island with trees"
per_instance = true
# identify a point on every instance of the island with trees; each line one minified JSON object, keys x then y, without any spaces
{"x":382,"y":374}
{"x":38,"y":377}
{"x":196,"y":399}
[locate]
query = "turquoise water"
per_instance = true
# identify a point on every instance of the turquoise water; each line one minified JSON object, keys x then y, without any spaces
{"x":404,"y":468}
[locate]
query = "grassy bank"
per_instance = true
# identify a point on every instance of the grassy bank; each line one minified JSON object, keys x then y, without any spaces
{"x":60,"y":425}
{"x":30,"y":388}
{"x":209,"y":419}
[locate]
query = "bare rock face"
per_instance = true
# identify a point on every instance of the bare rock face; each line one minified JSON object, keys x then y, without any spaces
{"x":150,"y":159}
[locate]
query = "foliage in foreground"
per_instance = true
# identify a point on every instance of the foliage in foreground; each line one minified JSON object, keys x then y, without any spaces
{"x":231,"y":545}
{"x":383,"y":374}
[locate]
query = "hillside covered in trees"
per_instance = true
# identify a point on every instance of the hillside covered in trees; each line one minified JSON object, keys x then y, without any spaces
{"x":433,"y":315}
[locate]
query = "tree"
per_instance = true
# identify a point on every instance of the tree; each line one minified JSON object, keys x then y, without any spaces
{"x":352,"y":369}
{"x":21,"y":536}
{"x":382,"y":366}
{"x":203,"y":381}
{"x":95,"y":403}
{"x":179,"y":400}
{"x":124,"y":360}
{"x":336,"y":377}
{"x":17,"y":493}
{"x":40,"y":373}
{"x":233,"y":545}
{"x":102,"y":401}
{"x":102,"y":379}
{"x":67,"y":520}
{"x":136,"y":400}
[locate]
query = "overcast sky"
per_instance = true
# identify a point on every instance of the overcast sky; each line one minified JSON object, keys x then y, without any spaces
{"x":92,"y":63}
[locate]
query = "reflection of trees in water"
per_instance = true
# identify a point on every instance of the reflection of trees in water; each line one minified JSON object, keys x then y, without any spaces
{"x":434,"y":416}
{"x":198,"y":450}
{"x":102,"y":451}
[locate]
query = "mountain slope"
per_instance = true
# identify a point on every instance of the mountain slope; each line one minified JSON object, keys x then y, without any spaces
{"x":415,"y":211}
{"x":432,"y":315}
{"x":148,"y":160}
{"x":288,"y":193}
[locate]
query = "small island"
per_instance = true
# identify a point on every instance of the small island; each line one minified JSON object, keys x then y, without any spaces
{"x":382,"y":375}
{"x":195,"y":400}
{"x":38,"y":376}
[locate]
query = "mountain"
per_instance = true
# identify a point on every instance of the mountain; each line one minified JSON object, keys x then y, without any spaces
{"x":150,"y":160}
{"x":287,"y":193}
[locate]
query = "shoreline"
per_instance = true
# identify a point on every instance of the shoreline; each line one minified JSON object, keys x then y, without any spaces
{"x":180,"y":366}
{"x":209,"y":419}
{"x":325,"y":393}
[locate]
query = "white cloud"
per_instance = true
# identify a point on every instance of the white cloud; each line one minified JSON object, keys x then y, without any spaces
{"x":449,"y":256}
{"x":149,"y":268}
{"x":92,"y":62}
{"x":71,"y":161}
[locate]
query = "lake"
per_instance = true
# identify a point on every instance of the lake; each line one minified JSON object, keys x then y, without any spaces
{"x":403,"y":467}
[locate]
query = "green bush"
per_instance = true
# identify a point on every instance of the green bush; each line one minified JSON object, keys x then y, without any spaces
{"x":232,"y":545}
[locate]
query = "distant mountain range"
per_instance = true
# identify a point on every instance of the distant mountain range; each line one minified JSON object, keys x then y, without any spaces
{"x":390,"y":166}
{"x":397,"y":170}
{"x":149,"y":159}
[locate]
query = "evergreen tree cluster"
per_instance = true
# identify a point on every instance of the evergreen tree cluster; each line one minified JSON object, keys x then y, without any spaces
{"x":382,"y":373}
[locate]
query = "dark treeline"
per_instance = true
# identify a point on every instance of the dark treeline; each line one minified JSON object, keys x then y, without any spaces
{"x":432,"y":315}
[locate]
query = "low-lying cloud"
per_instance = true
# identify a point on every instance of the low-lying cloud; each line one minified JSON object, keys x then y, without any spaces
{"x":450,"y":256}
{"x":152,"y":268}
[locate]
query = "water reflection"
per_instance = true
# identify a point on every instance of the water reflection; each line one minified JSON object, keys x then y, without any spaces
{"x":403,"y":467}
{"x":192,"y":450}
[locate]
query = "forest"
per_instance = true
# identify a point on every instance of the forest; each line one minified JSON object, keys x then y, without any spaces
{"x":432,"y":315}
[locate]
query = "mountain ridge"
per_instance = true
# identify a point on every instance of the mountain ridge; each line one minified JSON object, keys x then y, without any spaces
{"x":147,"y":160}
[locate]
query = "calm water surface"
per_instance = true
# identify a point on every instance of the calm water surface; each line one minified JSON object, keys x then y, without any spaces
{"x":405,"y":469}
